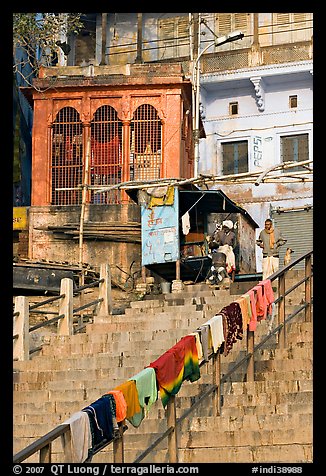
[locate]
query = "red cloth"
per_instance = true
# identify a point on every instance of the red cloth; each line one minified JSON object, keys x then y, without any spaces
{"x":176,"y":365}
{"x":268,"y":294}
{"x":105,"y":156}
{"x":261,"y":299}
{"x":261,"y":304}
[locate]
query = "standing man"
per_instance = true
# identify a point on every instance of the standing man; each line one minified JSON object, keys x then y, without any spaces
{"x":270,"y":240}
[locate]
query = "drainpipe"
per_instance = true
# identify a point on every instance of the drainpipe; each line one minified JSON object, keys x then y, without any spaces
{"x":139,"y":57}
{"x":103,"y":43}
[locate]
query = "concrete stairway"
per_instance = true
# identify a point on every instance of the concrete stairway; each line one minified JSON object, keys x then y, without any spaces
{"x":269,"y":420}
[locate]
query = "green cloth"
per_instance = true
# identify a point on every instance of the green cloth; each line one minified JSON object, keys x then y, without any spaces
{"x":147,"y":393}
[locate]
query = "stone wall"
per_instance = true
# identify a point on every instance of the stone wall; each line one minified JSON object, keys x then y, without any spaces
{"x":48,"y":244}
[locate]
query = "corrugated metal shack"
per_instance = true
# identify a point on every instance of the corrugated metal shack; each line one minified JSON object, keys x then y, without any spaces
{"x":175,"y":221}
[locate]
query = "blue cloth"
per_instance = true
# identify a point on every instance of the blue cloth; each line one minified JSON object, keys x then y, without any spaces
{"x":101,"y":414}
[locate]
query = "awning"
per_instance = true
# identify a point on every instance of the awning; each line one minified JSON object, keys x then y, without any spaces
{"x":208,"y":201}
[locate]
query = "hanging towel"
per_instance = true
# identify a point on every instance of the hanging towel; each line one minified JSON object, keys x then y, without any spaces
{"x":101,"y":415}
{"x":216,"y":331}
{"x":176,"y":365}
{"x":130,"y":393}
{"x":147,"y":393}
{"x":81,"y":438}
{"x":198,"y":344}
{"x":120,"y":404}
{"x":185,"y":223}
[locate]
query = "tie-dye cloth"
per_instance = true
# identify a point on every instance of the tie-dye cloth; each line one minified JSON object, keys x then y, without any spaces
{"x":177,"y":364}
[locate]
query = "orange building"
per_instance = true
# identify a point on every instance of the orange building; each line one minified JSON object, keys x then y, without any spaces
{"x":103,"y":125}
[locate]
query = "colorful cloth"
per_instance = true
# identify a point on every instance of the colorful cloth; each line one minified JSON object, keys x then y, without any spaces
{"x":176,"y":365}
{"x":268,"y":294}
{"x":253,"y":320}
{"x":130,"y":393}
{"x":147,"y":393}
{"x":243,"y":303}
{"x":233,"y":317}
{"x":101,"y":415}
{"x":120,"y":404}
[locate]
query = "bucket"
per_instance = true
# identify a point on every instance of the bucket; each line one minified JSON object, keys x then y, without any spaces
{"x":165,"y":287}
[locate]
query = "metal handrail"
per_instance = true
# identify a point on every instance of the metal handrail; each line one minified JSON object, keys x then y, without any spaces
{"x":223,"y":379}
{"x":52,"y":435}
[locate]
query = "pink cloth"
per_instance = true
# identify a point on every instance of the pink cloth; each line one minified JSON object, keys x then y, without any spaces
{"x":268,"y":294}
{"x":253,"y":300}
{"x":261,"y":304}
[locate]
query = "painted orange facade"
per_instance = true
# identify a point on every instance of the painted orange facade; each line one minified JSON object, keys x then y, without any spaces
{"x":161,"y":86}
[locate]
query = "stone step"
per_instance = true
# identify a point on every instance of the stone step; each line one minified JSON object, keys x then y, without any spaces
{"x":276,"y":409}
{"x":275,"y":453}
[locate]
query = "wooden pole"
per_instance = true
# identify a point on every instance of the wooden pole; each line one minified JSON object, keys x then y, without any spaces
{"x":45,"y":454}
{"x":281,"y":310}
{"x":216,"y":360}
{"x":103,"y":42}
{"x":251,"y":361}
{"x":172,"y":437}
{"x":65,"y":325}
{"x":105,"y":307}
{"x":139,"y":57}
{"x":81,"y":223}
{"x":21,"y":328}
{"x":308,"y":288}
{"x":177,"y":270}
{"x":118,"y":447}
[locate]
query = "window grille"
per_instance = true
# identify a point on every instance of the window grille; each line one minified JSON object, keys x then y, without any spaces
{"x":67,"y":158}
{"x":235,"y":157}
{"x":295,"y":148}
{"x":106,"y":154}
{"x":145,"y":145}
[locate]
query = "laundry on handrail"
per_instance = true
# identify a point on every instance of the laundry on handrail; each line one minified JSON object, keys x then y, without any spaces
{"x":233,"y":323}
{"x":77,"y":447}
{"x":102,"y":420}
{"x":130,"y":393}
{"x":120,"y":404}
{"x":215,"y":324}
{"x":177,"y":364}
{"x":147,"y":393}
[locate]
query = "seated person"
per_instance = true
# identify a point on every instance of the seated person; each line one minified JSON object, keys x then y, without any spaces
{"x":224,"y":241}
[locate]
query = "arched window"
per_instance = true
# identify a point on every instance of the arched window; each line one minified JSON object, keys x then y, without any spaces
{"x":106,"y":153}
{"x":67,"y":158}
{"x":146,"y":144}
